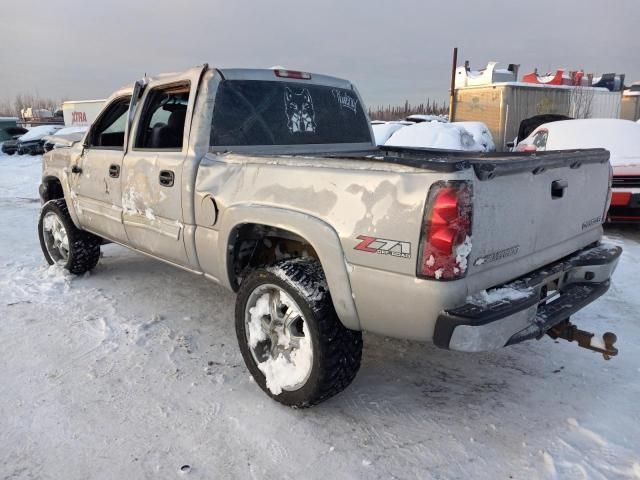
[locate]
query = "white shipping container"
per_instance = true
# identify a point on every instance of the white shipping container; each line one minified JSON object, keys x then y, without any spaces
{"x":81,"y":113}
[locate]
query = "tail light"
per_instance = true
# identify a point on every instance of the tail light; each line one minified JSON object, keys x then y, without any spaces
{"x":607,"y":204}
{"x":446,"y":235}
{"x":292,"y":74}
{"x":526,"y":147}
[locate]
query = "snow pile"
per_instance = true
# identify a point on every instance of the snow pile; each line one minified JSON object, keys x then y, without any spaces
{"x":504,"y":294}
{"x":382,"y":131}
{"x":283,"y":371}
{"x":36,"y":133}
{"x":481,"y":134}
{"x":435,"y":135}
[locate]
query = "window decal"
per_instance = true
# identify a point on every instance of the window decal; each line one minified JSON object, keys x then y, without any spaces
{"x":345,"y":100}
{"x":301,"y":116}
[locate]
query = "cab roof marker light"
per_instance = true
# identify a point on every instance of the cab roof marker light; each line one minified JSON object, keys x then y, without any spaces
{"x":292,"y":74}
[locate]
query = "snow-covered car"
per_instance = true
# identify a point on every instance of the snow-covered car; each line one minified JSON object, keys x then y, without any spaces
{"x":64,"y":137}
{"x":480,"y":133}
{"x":32,"y":142}
{"x":382,"y":131}
{"x":10,"y":137}
{"x":435,"y":135}
{"x":620,"y":137}
{"x":269,"y":183}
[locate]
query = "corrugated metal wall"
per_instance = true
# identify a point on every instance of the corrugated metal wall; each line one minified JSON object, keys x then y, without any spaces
{"x":503,"y":107}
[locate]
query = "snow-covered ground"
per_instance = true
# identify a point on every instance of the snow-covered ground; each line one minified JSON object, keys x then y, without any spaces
{"x":133,"y":372}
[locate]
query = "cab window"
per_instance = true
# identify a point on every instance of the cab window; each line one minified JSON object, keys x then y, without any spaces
{"x":163,"y":118}
{"x":108,"y":130}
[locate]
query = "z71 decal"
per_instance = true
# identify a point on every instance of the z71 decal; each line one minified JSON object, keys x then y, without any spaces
{"x":383,"y":246}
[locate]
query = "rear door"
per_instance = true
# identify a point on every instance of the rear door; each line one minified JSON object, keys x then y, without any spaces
{"x":152,"y":169}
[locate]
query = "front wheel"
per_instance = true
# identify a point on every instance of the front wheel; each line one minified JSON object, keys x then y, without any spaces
{"x":63,"y":243}
{"x":291,"y":339}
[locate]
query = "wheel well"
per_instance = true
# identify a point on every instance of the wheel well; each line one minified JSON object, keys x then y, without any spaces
{"x":51,"y":189}
{"x":254,"y":245}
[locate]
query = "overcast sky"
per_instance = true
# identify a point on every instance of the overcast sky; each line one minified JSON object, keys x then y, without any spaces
{"x":393,"y":50}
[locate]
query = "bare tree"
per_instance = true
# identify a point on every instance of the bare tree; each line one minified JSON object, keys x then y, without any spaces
{"x":581,"y":102}
{"x":6,"y":108}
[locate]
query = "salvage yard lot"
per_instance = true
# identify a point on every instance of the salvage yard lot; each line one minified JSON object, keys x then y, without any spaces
{"x":133,"y":372}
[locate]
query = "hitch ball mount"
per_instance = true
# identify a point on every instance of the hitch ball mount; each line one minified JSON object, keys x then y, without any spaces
{"x":567,"y":331}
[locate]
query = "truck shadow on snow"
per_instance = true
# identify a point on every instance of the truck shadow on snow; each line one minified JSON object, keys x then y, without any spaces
{"x":424,"y":375}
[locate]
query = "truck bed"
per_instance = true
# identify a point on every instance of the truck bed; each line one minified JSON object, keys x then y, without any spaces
{"x":485,"y":165}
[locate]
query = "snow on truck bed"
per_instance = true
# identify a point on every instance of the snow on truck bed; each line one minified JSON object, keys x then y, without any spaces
{"x":464,"y":136}
{"x":133,"y":372}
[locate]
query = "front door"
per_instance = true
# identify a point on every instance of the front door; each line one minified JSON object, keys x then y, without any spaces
{"x":95,"y":177}
{"x":152,"y":174}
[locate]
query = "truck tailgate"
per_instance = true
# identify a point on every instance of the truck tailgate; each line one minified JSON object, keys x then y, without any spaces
{"x":529,"y":217}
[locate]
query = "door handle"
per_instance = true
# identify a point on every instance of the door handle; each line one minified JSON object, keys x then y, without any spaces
{"x":76,"y":169}
{"x":114,"y":171}
{"x":166,"y":177}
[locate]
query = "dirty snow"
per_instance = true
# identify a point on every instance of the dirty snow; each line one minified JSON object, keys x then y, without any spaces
{"x":133,"y":372}
{"x":504,"y":294}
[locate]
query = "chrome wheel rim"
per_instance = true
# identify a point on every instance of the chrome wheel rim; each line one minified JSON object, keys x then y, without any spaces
{"x":55,"y":237}
{"x":278,"y":338}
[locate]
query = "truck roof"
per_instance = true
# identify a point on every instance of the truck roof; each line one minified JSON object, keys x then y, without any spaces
{"x":267,"y":74}
{"x":83,"y":101}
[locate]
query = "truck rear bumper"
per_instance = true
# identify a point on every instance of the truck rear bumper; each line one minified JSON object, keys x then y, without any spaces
{"x":529,"y":306}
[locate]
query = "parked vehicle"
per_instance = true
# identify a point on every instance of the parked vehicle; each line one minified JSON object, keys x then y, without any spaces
{"x":32,"y":142}
{"x":10,"y":147}
{"x":620,"y":137}
{"x":269,"y":183}
{"x":9,"y":133}
{"x":64,"y":137}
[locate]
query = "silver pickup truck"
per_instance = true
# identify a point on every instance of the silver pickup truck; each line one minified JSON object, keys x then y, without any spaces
{"x":269,"y":183}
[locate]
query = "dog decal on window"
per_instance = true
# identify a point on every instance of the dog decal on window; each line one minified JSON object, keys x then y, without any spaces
{"x":301,"y":117}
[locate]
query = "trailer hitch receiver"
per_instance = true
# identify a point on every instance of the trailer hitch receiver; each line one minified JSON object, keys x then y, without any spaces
{"x":567,"y":331}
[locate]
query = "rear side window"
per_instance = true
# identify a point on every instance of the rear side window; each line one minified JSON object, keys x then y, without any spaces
{"x":252,"y":112}
{"x":163,"y":118}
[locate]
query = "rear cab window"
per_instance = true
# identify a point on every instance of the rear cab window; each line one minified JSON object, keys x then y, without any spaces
{"x":265,"y":113}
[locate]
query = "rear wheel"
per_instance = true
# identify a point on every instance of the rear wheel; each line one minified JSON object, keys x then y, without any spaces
{"x":291,"y":339}
{"x":63,"y":243}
